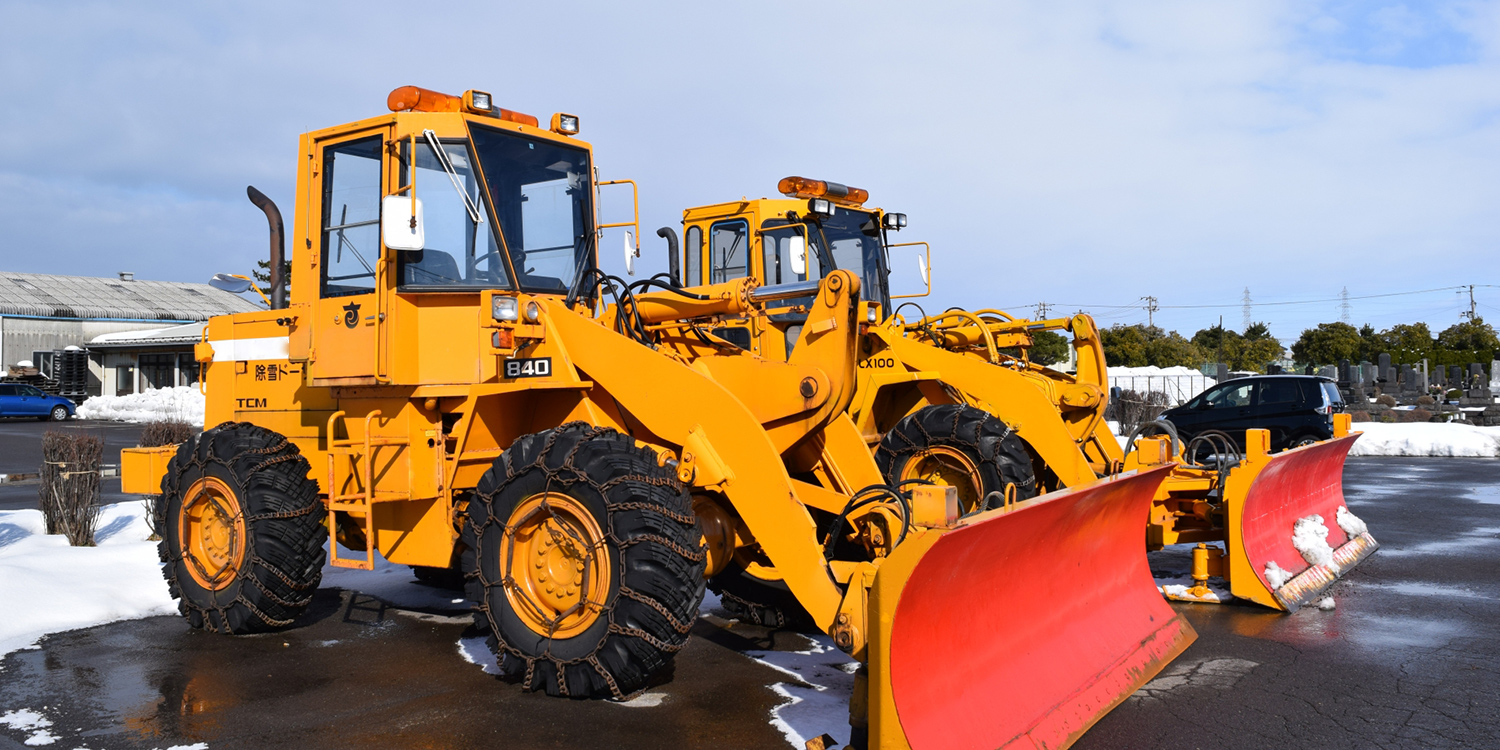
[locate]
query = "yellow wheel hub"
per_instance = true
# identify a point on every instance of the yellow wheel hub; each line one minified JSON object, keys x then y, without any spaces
{"x":211,"y":532}
{"x":556,"y":565}
{"x":947,"y":467}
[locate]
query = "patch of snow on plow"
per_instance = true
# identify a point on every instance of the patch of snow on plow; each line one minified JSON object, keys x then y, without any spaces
{"x":1350,"y":523}
{"x":50,"y":587}
{"x":1310,"y":537}
{"x":1426,"y":439}
{"x":181,"y":403}
{"x":1276,"y":576}
{"x":1172,"y":571}
{"x":1181,"y":591}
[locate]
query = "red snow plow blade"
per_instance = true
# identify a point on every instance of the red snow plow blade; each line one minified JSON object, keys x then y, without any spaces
{"x":1020,"y":627}
{"x":1301,"y":486}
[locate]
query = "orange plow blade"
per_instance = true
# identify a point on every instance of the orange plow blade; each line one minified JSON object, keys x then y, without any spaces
{"x":1020,"y":627}
{"x":1296,"y":537}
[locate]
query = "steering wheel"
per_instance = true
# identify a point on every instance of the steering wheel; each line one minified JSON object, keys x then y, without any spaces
{"x":487,"y":256}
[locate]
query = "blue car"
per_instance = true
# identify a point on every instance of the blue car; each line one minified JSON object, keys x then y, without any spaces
{"x":21,"y":400}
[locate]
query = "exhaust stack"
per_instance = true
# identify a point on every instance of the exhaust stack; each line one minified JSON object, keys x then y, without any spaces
{"x":278,"y":246}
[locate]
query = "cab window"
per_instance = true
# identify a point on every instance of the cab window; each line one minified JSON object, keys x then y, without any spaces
{"x":728,"y":251}
{"x":351,"y":217}
{"x":461,"y":247}
{"x":692,"y":250}
{"x":776,"y":246}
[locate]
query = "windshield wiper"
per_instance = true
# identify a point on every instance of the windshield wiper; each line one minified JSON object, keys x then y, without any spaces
{"x":442,"y":157}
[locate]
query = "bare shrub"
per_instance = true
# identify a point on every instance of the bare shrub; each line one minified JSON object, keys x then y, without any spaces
{"x":1132,"y":409}
{"x":1359,"y":416}
{"x":1415,"y":415}
{"x":1426,"y":400}
{"x":1386,"y":399}
{"x":69,"y":494}
{"x":167,"y":432}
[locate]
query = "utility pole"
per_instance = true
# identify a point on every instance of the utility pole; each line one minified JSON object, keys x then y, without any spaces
{"x":1471,"y":313}
{"x":1151,"y":309}
{"x":1344,"y":305}
{"x":1042,"y":308}
{"x":1245,"y":302}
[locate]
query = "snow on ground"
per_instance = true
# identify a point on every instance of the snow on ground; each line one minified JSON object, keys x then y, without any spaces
{"x":180,"y":403}
{"x":48,"y":587}
{"x":1426,"y":439}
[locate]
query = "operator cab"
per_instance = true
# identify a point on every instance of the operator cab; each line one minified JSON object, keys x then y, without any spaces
{"x":818,"y":228}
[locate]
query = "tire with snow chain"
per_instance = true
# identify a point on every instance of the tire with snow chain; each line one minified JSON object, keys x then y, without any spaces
{"x":241,"y":530}
{"x":583,"y":556}
{"x":759,"y":601}
{"x":961,"y":446}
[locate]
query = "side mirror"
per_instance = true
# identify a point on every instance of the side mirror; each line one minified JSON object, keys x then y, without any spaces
{"x":228,"y":283}
{"x":401,"y":227}
{"x":629,"y":253}
{"x":922,"y":269}
{"x":797,"y":248}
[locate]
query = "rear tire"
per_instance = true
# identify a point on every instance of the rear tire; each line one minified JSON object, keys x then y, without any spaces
{"x":241,"y":530}
{"x":759,"y":602}
{"x":587,"y":511}
{"x":961,"y":446}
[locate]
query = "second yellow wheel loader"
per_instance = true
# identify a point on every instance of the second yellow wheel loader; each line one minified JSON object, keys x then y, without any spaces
{"x":954,"y":398}
{"x":447,"y":389}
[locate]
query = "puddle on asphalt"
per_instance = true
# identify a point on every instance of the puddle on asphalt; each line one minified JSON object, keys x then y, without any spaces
{"x":1427,"y":589}
{"x":1468,"y":540}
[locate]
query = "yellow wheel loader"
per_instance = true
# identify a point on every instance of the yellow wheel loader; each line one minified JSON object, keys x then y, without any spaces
{"x":955,"y":399}
{"x":448,"y":389}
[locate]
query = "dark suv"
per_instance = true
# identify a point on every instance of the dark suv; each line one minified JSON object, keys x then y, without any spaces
{"x":1297,"y":409}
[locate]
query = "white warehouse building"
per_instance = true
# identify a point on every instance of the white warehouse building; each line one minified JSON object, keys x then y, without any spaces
{"x":42,"y":313}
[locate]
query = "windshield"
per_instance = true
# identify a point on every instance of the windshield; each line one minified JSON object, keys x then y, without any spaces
{"x":459,"y":247}
{"x":540,"y":192}
{"x":853,"y":241}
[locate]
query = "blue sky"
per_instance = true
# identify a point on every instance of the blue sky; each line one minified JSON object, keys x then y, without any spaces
{"x":1082,"y":153}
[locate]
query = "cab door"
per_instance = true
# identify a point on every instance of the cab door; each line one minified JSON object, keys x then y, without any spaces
{"x":350,"y":181}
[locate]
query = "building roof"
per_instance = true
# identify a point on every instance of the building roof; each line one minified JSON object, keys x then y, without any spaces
{"x":188,"y":333}
{"x":95,"y":298}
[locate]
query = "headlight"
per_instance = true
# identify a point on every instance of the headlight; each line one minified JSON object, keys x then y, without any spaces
{"x":478,"y":101}
{"x":871,"y":315}
{"x":895,"y":221}
{"x":821,"y":206}
{"x":565,"y":124}
{"x":533,"y":311}
{"x":506,"y":309}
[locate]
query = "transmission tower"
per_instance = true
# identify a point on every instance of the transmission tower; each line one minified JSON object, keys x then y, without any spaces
{"x":1151,"y":309}
{"x":1245,"y":301}
{"x":1344,"y":305}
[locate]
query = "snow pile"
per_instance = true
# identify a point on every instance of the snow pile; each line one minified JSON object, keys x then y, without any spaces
{"x":48,"y":586}
{"x":1350,"y":523}
{"x":1178,"y":383}
{"x":1276,"y":576}
{"x":181,"y":403}
{"x":1426,"y":439}
{"x":26,"y":720}
{"x":1326,"y":604}
{"x":1310,"y":537}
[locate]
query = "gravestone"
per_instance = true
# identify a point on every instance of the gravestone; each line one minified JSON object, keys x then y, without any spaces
{"x":1456,"y":376}
{"x":1385,"y":368}
{"x":1344,"y":378}
{"x":1222,"y":373}
{"x":1329,"y":372}
{"x":1437,"y":376}
{"x":1370,"y":374}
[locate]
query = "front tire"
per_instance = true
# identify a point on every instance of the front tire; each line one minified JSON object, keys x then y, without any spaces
{"x":241,"y":530}
{"x":960,"y":446}
{"x":59,"y":413}
{"x":584,"y":558}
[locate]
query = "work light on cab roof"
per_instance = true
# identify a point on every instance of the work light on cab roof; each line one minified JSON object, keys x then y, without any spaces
{"x":417,"y":99}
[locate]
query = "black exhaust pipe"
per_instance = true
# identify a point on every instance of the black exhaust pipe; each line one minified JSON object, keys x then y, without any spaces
{"x":278,"y":246}
{"x":674,"y":264}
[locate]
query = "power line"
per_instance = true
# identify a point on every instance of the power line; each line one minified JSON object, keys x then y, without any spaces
{"x":1278,"y":304}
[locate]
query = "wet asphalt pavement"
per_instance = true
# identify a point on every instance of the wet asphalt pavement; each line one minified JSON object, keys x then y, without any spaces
{"x":1409,"y":658}
{"x":21,"y":453}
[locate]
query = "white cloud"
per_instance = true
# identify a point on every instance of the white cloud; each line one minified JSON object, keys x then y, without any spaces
{"x":1069,"y":152}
